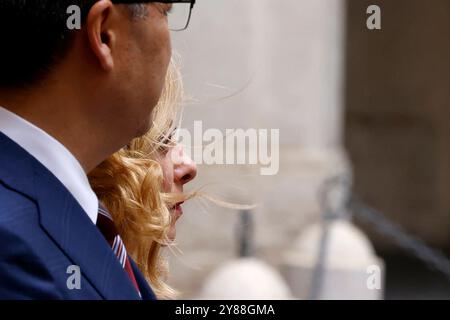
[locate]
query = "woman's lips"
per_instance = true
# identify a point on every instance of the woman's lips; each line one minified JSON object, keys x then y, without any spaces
{"x":178,"y":209}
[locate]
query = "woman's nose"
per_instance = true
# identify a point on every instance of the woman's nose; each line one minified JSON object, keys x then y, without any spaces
{"x":185,"y":170}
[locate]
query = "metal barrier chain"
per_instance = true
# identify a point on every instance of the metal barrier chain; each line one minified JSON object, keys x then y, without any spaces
{"x":338,"y":202}
{"x":433,"y":258}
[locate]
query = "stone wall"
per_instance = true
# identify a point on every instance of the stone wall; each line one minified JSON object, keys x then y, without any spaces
{"x":397,"y":113}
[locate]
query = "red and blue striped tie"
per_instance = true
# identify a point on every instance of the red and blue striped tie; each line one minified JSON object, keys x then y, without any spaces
{"x":108,"y":229}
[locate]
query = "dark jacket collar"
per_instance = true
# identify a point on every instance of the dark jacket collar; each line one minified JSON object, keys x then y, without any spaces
{"x":65,"y":221}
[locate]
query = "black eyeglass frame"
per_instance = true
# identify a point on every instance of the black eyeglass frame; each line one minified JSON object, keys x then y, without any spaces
{"x":192,"y":2}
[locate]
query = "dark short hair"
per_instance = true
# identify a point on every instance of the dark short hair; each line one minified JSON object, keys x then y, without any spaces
{"x":34,"y":37}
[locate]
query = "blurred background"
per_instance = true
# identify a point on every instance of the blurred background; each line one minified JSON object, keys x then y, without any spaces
{"x":368,"y":105}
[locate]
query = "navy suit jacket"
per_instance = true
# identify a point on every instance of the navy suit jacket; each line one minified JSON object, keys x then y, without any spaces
{"x":44,"y":231}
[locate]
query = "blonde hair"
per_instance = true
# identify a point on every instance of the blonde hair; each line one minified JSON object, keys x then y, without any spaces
{"x":129,"y":184}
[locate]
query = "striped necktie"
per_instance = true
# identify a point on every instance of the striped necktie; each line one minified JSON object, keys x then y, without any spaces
{"x":106,"y":225}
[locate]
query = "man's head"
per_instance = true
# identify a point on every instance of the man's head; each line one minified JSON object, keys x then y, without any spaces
{"x":114,"y":66}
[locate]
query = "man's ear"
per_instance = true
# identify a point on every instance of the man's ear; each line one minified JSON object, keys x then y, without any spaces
{"x":100,"y":34}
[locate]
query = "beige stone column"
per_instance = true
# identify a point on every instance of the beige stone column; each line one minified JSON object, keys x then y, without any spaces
{"x":261,"y":64}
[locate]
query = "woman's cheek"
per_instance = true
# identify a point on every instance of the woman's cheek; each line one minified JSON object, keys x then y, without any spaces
{"x":166,"y":166}
{"x":167,"y":186}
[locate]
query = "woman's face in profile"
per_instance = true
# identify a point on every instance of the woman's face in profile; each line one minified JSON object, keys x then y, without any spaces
{"x":178,"y":169}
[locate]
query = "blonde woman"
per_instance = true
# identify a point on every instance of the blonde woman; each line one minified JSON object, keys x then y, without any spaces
{"x":142,"y":188}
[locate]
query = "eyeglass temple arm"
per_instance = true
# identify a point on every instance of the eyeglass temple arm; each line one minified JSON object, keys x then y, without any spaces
{"x":192,"y":2}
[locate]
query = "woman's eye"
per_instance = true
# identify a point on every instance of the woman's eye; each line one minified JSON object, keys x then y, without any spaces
{"x":163,"y":149}
{"x":166,"y":142}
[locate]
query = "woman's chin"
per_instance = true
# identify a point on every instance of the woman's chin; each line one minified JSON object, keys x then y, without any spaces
{"x":172,"y":234}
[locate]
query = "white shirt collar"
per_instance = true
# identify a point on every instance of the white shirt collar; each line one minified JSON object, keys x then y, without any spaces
{"x":54,"y":156}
